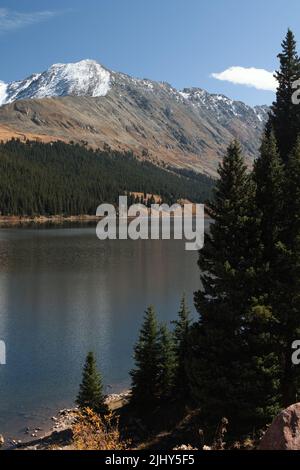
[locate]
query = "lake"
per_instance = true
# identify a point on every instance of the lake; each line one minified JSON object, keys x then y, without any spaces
{"x":64,"y":293}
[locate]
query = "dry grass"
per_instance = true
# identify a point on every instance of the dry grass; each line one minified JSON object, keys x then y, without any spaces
{"x":7,"y":133}
{"x":92,"y":432}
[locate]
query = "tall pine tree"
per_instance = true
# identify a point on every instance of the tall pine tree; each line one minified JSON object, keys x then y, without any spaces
{"x":277,"y":199}
{"x":181,"y":335}
{"x":269,"y":180}
{"x":220,"y":342}
{"x":167,"y":365}
{"x":263,"y":318}
{"x":287,"y":295}
{"x":285,"y":116}
{"x":147,"y":356}
{"x":278,"y":203}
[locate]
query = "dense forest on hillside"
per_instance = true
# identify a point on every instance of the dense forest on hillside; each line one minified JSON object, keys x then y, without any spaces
{"x":59,"y":178}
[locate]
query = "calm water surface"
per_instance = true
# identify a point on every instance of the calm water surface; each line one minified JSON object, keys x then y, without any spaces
{"x":63,"y":293}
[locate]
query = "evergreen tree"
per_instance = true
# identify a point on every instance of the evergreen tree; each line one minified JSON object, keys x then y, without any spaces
{"x":262,"y":321}
{"x":167,"y":364}
{"x":269,"y":179}
{"x":287,"y":295}
{"x":219,"y":356}
{"x":181,"y":334}
{"x":231,"y":247}
{"x":278,"y":202}
{"x":91,"y":389}
{"x":285,"y":116}
{"x":147,"y":356}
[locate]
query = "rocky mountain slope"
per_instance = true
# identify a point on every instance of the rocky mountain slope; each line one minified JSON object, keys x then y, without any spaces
{"x":87,"y":102}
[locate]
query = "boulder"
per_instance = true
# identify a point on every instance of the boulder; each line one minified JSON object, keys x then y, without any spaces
{"x":284,"y":432}
{"x":1,"y":440}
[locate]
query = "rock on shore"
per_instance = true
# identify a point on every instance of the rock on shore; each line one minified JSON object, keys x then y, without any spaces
{"x":284,"y":432}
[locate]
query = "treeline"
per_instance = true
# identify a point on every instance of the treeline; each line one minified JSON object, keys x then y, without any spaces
{"x":159,"y":375}
{"x":59,"y":178}
{"x":240,"y":360}
{"x":160,"y":356}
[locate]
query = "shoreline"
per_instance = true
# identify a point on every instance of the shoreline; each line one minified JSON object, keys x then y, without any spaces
{"x":35,"y":221}
{"x":21,"y":221}
{"x":60,"y":432}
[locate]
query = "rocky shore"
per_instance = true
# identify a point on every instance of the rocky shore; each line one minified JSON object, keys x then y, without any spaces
{"x":59,"y":436}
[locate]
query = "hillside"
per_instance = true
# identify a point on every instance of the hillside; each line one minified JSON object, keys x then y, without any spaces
{"x":49,"y":179}
{"x":87,"y":102}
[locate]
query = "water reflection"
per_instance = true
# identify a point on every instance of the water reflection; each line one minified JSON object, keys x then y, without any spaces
{"x":62,"y":293}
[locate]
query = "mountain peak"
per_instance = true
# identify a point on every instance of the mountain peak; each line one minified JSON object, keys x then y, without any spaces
{"x":84,"y":78}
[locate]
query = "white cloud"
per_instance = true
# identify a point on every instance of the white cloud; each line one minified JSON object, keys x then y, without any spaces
{"x":258,"y":78}
{"x":12,"y":20}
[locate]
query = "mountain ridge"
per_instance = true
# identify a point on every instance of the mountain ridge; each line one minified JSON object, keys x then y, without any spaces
{"x":85,"y":101}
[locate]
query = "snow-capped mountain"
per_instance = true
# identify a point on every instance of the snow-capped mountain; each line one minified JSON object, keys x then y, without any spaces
{"x":89,"y":78}
{"x":85,"y":78}
{"x":190,"y":127}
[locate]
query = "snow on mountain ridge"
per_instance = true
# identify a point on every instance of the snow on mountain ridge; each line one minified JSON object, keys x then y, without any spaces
{"x":89,"y":78}
{"x":221,"y":106}
{"x":84,"y":78}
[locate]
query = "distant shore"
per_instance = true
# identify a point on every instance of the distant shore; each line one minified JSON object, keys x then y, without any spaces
{"x":23,"y":221}
{"x":15,"y":221}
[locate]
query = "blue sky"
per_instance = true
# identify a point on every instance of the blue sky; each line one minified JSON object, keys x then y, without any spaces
{"x":182,"y":42}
